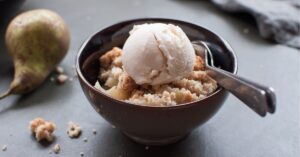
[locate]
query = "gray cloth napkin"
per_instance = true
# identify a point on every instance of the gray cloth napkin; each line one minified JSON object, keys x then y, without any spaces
{"x":277,"y":20}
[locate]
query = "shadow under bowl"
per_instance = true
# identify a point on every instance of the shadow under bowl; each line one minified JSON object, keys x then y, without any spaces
{"x":146,"y":124}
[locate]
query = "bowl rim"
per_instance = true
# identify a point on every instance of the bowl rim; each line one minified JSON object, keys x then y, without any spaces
{"x":184,"y":105}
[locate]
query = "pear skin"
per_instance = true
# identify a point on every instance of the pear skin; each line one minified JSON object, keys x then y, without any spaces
{"x":37,"y":41}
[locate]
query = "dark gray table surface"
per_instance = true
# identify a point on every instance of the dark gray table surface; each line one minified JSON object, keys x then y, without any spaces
{"x":234,"y":132}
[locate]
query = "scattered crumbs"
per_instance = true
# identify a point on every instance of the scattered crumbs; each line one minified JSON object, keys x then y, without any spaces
{"x":81,"y":153}
{"x":74,"y":130}
{"x":59,"y":70}
{"x":246,"y":30}
{"x":62,"y":78}
{"x":94,"y":131}
{"x":98,"y":110}
{"x":42,"y":129}
{"x":4,"y":148}
{"x":113,"y":126}
{"x":147,"y":147}
{"x":56,"y":148}
{"x":85,"y":139}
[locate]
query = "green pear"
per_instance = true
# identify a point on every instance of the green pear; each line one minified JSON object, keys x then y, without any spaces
{"x":37,"y":41}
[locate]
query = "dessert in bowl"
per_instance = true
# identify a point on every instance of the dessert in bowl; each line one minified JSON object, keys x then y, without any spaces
{"x":160,"y":106}
{"x":174,"y":75}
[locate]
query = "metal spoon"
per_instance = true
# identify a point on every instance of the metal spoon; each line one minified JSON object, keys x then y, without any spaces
{"x":258,"y":97}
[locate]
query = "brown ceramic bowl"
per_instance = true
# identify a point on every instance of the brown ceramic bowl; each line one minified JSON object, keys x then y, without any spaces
{"x":145,"y":124}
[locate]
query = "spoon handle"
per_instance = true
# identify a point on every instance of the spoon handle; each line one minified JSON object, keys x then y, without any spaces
{"x":259,"y":98}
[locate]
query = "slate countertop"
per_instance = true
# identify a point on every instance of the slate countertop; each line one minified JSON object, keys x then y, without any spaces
{"x":235,"y":130}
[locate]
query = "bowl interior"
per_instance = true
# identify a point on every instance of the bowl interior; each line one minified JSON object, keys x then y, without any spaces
{"x":117,"y":34}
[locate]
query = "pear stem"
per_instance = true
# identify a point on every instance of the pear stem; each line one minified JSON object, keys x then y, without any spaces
{"x":5,"y":94}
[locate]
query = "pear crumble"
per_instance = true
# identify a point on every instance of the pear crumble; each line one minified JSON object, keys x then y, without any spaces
{"x":114,"y":81}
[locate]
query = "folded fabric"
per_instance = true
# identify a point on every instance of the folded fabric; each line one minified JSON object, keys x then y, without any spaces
{"x":277,"y":20}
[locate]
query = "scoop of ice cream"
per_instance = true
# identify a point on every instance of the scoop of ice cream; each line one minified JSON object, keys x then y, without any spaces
{"x":157,"y":53}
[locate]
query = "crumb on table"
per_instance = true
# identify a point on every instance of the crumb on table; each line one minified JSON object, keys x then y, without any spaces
{"x":42,"y":129}
{"x":94,"y":131}
{"x":81,"y":153}
{"x":85,"y":139}
{"x":62,"y":78}
{"x":4,"y":148}
{"x":56,"y":148}
{"x":59,"y":70}
{"x":74,"y":130}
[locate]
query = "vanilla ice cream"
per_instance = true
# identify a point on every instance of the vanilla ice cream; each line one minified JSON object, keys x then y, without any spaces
{"x":158,"y":53}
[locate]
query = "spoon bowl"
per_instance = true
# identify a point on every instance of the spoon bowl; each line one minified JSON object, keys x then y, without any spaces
{"x":259,"y":98}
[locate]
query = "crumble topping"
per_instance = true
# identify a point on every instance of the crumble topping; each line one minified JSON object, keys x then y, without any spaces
{"x":118,"y":84}
{"x":199,"y":65}
{"x":110,"y":56}
{"x":126,"y":82}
